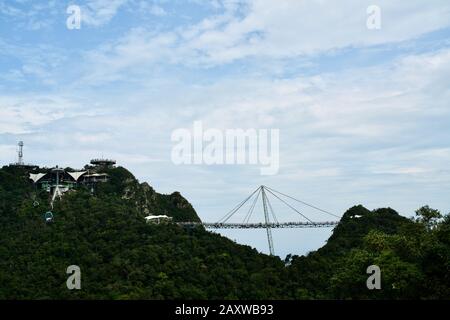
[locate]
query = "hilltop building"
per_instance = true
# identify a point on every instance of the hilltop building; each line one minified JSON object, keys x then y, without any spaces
{"x":66,"y":179}
{"x":58,"y":181}
{"x":157,"y":219}
{"x":105,"y":163}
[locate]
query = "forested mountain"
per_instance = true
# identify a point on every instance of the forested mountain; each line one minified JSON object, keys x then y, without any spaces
{"x":123,"y":257}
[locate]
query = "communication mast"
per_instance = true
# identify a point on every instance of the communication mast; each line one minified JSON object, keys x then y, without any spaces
{"x":20,"y":162}
{"x":20,"y":153}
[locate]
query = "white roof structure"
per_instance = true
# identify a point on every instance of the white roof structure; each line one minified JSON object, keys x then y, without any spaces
{"x":76,"y":175}
{"x":36,"y":176}
{"x":157,"y":217}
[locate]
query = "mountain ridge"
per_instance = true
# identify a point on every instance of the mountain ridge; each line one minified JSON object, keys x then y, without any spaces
{"x":123,"y":257}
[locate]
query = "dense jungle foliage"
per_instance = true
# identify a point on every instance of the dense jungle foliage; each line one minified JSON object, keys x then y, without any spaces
{"x":123,"y":257}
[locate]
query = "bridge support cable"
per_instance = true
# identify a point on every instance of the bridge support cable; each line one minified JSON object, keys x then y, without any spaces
{"x":235,"y":209}
{"x":302,"y":202}
{"x":250,"y":211}
{"x":266,"y":217}
{"x":269,"y":213}
{"x":287,"y":204}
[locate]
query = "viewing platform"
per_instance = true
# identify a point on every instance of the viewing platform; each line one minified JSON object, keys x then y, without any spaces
{"x":103,"y":162}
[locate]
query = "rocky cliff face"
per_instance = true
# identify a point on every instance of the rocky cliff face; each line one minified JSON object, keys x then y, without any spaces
{"x":146,"y":199}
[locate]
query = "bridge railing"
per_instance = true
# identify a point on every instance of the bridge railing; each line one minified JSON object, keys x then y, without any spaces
{"x":275,"y":225}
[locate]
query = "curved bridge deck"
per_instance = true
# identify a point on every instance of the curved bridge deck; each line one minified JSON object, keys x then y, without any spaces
{"x":274,"y":225}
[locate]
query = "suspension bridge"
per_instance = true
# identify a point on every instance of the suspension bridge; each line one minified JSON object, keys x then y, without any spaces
{"x":270,"y":219}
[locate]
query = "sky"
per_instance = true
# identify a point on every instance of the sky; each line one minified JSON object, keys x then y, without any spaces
{"x":363,"y":113}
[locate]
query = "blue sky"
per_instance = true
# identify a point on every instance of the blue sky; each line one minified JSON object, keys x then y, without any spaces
{"x":363,"y":114}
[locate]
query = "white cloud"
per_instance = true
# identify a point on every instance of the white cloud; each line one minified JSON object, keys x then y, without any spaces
{"x":258,"y":28}
{"x":376,"y":135}
{"x":100,"y":12}
{"x":25,"y":114}
{"x":152,"y":8}
{"x":28,"y":14}
{"x":351,"y":125}
{"x":299,"y":27}
{"x":405,"y":170}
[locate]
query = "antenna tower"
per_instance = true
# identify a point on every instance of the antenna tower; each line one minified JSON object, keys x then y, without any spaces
{"x":20,"y":153}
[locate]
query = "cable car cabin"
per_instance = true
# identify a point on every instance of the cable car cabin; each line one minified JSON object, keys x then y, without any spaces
{"x":48,"y":216}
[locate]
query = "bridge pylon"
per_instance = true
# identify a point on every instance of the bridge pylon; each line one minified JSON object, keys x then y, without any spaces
{"x":266,"y":218}
{"x":263,"y":192}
